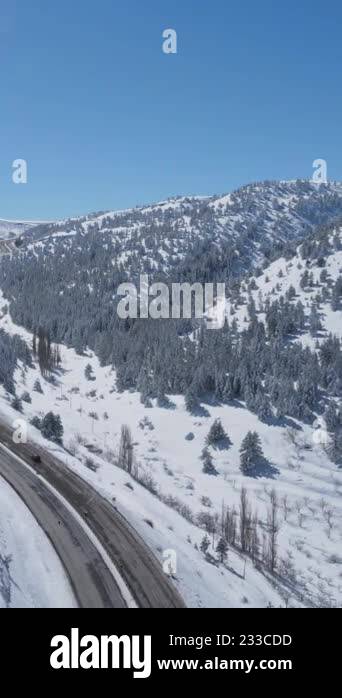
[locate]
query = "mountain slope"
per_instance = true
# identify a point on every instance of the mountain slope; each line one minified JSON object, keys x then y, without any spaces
{"x":171,"y":501}
{"x":275,"y":368}
{"x":72,"y":269}
{"x":256,"y":219}
{"x":11,"y":229}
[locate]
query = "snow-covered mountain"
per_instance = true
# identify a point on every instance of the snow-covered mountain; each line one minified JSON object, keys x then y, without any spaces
{"x":236,"y":230}
{"x":275,"y":369}
{"x":311,"y":278}
{"x":11,"y":229}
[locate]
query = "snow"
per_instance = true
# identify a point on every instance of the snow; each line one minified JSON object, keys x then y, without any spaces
{"x":31,"y":574}
{"x":300,"y":472}
{"x":125,"y":592}
{"x":307,"y":483}
{"x":271,"y":285}
{"x":8,"y":227}
{"x":62,"y":234}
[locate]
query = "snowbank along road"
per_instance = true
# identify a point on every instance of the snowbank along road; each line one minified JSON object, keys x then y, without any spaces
{"x":109,"y":566}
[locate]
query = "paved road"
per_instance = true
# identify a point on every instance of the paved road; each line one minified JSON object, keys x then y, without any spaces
{"x":90,"y":575}
{"x":91,"y":580}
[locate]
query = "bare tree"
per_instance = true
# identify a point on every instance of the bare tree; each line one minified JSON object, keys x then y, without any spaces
{"x":328,"y":515}
{"x":273,"y":530}
{"x":245,"y":519}
{"x":208,"y":522}
{"x":230,"y":526}
{"x":287,"y":568}
{"x":126,"y":449}
{"x":264,"y":549}
{"x":286,"y":507}
{"x":300,"y":514}
{"x":255,"y":544}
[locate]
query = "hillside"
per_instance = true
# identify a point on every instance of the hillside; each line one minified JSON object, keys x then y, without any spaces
{"x":239,"y":229}
{"x":11,"y":229}
{"x":275,"y":368}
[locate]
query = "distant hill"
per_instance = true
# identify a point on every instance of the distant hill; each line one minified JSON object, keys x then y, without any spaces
{"x":11,"y":229}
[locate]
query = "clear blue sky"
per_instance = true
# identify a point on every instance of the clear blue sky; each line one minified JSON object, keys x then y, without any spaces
{"x":106,"y":120}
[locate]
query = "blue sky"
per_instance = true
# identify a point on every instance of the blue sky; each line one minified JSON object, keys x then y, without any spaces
{"x":106,"y":120}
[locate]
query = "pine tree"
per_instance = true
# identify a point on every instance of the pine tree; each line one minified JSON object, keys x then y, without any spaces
{"x":44,"y":352}
{"x":52,"y":428}
{"x":251,"y":309}
{"x":205,"y":544}
{"x":334,"y":448}
{"x":331,"y":417}
{"x":161,"y":390}
{"x":250,"y":452}
{"x":144,"y":386}
{"x":36,"y":422}
{"x":304,"y":279}
{"x":263,"y":408}
{"x":216,"y":433}
{"x":208,"y":464}
{"x":314,"y":320}
{"x":88,"y":372}
{"x":191,"y":400}
{"x":37,"y":386}
{"x":17,"y":404}
{"x":222,"y":549}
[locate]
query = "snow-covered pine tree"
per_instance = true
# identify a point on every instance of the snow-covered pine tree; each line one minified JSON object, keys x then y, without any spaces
{"x":216,"y":433}
{"x":36,"y":422}
{"x":88,"y":372}
{"x":334,"y":448}
{"x":262,"y":407}
{"x":331,"y":417}
{"x":222,"y":549}
{"x":208,"y":463}
{"x":37,"y":386}
{"x":191,"y":399}
{"x":52,"y":428}
{"x":250,"y":452}
{"x":205,"y":543}
{"x":17,"y":404}
{"x":314,"y":321}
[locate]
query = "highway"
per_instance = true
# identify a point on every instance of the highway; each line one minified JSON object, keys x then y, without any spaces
{"x":108,"y":564}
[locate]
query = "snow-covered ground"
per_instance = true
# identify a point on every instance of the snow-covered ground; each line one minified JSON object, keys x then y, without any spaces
{"x":31,"y":574}
{"x":9,"y":228}
{"x":308,"y":485}
{"x":275,"y":281}
{"x":160,"y":236}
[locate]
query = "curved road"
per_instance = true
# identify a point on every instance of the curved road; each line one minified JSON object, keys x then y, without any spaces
{"x":57,"y":498}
